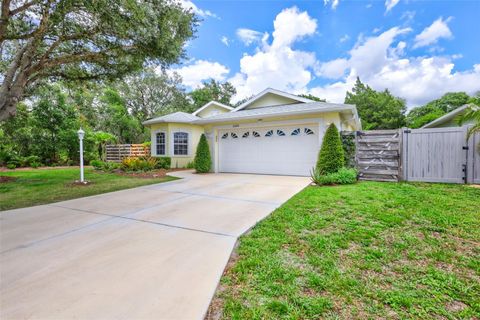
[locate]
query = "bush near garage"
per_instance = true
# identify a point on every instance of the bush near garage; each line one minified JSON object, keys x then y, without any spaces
{"x":342,"y":176}
{"x":163,"y":163}
{"x":331,"y":155}
{"x":202,"y":161}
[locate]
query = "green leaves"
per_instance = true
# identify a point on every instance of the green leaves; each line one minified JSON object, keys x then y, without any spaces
{"x":331,"y":157}
{"x":203,"y":161}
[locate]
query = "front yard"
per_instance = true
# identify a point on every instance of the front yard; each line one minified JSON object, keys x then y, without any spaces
{"x":41,"y":186}
{"x":365,"y":251}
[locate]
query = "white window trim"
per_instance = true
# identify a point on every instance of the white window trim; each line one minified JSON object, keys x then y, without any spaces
{"x":153,"y":144}
{"x":189,"y":144}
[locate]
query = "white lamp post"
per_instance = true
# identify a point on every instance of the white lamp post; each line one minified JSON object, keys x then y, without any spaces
{"x":81,"y":133}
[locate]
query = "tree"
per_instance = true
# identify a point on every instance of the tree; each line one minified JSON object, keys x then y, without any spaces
{"x":149,"y":94}
{"x":115,"y":118}
{"x":85,"y":40}
{"x":331,"y":156}
{"x":213,"y":90}
{"x":472,"y":114}
{"x":419,"y":116}
{"x":378,"y":110}
{"x":203,"y":161}
{"x":312,"y":97}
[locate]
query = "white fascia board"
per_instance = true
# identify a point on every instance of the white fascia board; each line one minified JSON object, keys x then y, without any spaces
{"x":209,"y":104}
{"x":273,"y":91}
{"x":278,"y":114}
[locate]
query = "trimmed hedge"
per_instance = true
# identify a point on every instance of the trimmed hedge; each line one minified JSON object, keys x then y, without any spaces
{"x":342,"y":176}
{"x":203,"y":161}
{"x":331,"y":155}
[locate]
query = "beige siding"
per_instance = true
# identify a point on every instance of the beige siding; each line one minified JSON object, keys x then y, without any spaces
{"x":211,"y":110}
{"x":269,"y":100}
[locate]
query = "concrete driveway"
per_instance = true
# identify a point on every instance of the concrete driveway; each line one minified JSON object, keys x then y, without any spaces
{"x":154,"y":252}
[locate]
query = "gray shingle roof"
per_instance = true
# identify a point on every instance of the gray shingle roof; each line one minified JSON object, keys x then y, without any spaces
{"x":181,"y":117}
{"x":297,"y":108}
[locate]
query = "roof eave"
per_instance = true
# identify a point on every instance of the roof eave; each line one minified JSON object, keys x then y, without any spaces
{"x":279,"y":114}
{"x":274,"y":91}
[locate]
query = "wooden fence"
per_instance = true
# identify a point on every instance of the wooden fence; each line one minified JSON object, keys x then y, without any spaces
{"x":378,"y":155}
{"x":117,"y":152}
{"x":429,"y":155}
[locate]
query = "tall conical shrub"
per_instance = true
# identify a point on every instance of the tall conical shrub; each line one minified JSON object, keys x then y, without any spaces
{"x":203,"y":161}
{"x":331,"y":157}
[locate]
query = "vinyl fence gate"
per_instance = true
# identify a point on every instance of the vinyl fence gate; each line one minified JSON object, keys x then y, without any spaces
{"x":440,"y":155}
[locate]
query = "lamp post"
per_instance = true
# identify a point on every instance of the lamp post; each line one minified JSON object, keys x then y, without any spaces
{"x":81,"y":133}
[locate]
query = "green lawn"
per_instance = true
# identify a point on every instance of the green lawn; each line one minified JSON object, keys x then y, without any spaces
{"x":35,"y":187}
{"x":364,"y":251}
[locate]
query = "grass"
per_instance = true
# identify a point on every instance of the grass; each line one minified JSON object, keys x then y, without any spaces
{"x":364,"y":251}
{"x":34,"y":187}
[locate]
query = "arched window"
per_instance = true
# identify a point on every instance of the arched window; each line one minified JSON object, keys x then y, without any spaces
{"x":225,"y":136}
{"x":246,"y":134}
{"x":160,"y":143}
{"x":295,"y":132}
{"x":180,"y":143}
{"x":269,"y":133}
{"x":308,"y":131}
{"x":256,"y":134}
{"x":234,"y":135}
{"x":280,"y":133}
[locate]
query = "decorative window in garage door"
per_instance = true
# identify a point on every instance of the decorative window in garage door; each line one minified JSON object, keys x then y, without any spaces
{"x":225,"y":136}
{"x":280,"y":133}
{"x":246,"y":134}
{"x":269,"y":133}
{"x":295,"y":132}
{"x":308,"y":131}
{"x":234,"y":135}
{"x":255,"y":134}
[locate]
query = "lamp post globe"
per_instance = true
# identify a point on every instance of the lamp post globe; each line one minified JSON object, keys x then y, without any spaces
{"x":81,"y":134}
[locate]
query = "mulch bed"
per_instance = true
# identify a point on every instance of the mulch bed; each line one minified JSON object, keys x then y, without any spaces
{"x":5,"y":179}
{"x":160,"y":173}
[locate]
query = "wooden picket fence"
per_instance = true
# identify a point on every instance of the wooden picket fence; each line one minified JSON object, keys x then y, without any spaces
{"x":117,"y":152}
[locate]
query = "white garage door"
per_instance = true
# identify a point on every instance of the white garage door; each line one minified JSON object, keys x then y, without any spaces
{"x":288,"y":150}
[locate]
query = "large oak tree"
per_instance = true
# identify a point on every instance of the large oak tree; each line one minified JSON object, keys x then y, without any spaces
{"x":85,"y":40}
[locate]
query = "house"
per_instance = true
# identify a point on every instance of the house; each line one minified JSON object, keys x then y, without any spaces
{"x":272,"y":133}
{"x":450,"y":119}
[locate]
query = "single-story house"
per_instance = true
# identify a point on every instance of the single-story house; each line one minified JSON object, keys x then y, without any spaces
{"x":272,"y":133}
{"x":450,"y":119}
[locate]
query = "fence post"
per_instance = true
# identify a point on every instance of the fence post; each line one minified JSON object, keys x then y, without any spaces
{"x":469,"y":165}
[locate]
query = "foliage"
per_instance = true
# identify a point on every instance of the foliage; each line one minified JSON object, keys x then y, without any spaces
{"x":331,"y":156}
{"x":471,"y":114}
{"x":163,"y":163}
{"x":35,"y":187}
{"x":139,"y":164}
{"x":105,"y":165}
{"x":11,"y":165}
{"x":419,"y":116}
{"x":377,"y":110}
{"x":342,"y":176}
{"x":84,"y":40}
{"x":212,"y":90}
{"x":148,"y":94}
{"x":348,"y":144}
{"x":190,"y":165}
{"x":370,"y":250}
{"x":312,"y":97}
{"x":203,"y":160}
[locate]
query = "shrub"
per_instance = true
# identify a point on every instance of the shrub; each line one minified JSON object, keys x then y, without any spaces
{"x":190,"y":165}
{"x":203,"y":161}
{"x":348,"y":144}
{"x":35,"y":165}
{"x":110,"y":166}
{"x":139,"y":164}
{"x":331,"y":157}
{"x":163,"y":163}
{"x":11,"y":165}
{"x":342,"y":176}
{"x":97,"y":164}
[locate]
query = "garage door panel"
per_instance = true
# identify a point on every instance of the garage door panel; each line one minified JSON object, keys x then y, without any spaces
{"x":272,"y":150}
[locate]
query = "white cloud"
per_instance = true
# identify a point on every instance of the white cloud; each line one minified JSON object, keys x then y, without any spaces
{"x":389,"y":4}
{"x":277,"y":64}
{"x":334,"y":3}
{"x":248,"y":36}
{"x":187,"y":4}
{"x":379,"y":62}
{"x":431,"y":34}
{"x":201,"y":70}
{"x":344,"y":38}
{"x":333,"y":69}
{"x":225,"y":40}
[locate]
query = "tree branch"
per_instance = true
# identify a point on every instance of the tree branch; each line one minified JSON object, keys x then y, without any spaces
{"x":23,"y":7}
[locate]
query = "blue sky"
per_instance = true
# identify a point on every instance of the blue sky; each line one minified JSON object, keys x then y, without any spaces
{"x":417,"y":49}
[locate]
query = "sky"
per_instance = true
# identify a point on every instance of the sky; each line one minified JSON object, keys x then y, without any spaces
{"x":419,"y":50}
